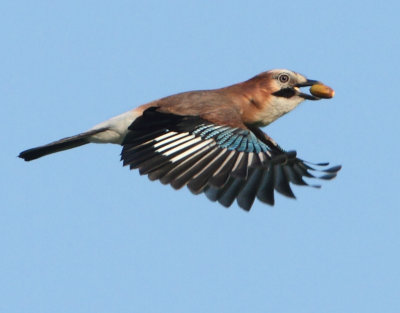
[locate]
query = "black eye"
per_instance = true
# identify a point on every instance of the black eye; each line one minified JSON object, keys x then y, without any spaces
{"x":283,"y":78}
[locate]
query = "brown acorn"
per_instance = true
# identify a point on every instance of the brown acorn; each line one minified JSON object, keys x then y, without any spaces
{"x":322,"y":91}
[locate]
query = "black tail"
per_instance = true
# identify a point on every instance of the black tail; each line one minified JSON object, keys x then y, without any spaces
{"x":59,"y":145}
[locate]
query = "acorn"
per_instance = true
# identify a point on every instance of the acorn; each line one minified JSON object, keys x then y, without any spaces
{"x":321,"y":91}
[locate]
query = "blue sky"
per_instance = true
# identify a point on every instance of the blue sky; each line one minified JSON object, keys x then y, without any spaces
{"x":80,"y":233}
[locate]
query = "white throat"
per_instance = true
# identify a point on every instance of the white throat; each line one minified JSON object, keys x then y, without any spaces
{"x":277,"y":107}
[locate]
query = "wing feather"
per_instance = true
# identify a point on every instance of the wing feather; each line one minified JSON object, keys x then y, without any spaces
{"x":265,"y":191}
{"x":248,"y":194}
{"x":224,"y":162}
{"x":230,"y":191}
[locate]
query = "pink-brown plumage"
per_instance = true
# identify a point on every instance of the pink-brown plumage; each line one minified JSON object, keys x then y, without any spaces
{"x":210,"y":140}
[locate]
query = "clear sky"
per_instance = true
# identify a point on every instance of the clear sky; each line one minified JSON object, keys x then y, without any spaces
{"x":80,"y":233}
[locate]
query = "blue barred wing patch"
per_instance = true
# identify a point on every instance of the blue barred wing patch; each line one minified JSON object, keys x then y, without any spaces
{"x":241,"y":140}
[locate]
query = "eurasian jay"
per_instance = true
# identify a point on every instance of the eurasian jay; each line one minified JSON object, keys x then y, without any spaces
{"x":210,"y":140}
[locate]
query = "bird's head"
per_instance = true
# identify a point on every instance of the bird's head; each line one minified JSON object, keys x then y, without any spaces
{"x":286,"y":84}
{"x":279,"y":93}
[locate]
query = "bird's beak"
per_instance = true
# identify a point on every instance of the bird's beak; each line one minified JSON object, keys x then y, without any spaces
{"x":318,"y":90}
{"x":307,"y":83}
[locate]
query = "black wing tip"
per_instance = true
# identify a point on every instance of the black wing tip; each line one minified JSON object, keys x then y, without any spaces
{"x":270,"y":201}
{"x":328,"y":176}
{"x":244,"y":205}
{"x":330,"y":173}
{"x":288,"y":192}
{"x":28,"y":155}
{"x":334,"y":169}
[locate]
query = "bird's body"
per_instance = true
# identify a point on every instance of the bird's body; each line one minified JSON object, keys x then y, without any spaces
{"x":209,"y":139}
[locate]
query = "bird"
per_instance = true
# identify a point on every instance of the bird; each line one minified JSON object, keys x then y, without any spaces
{"x":211,"y":140}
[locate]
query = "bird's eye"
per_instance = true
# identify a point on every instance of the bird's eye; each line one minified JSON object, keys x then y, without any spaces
{"x":283,"y":78}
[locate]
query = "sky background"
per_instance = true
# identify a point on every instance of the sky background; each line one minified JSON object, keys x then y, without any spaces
{"x":80,"y":233}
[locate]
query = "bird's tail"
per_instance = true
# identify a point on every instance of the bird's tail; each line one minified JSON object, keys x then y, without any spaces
{"x":59,"y":145}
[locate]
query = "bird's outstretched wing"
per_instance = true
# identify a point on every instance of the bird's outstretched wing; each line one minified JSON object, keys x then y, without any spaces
{"x":225,"y":163}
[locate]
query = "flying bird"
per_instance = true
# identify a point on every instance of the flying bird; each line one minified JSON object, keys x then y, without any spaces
{"x":211,"y":141}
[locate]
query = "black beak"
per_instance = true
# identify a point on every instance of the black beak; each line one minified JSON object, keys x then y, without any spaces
{"x":307,"y":83}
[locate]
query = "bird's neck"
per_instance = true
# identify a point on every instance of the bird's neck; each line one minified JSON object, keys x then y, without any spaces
{"x":258,"y":106}
{"x":253,"y":98}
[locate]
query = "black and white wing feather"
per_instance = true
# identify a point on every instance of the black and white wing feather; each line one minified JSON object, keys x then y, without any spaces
{"x":225,"y":163}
